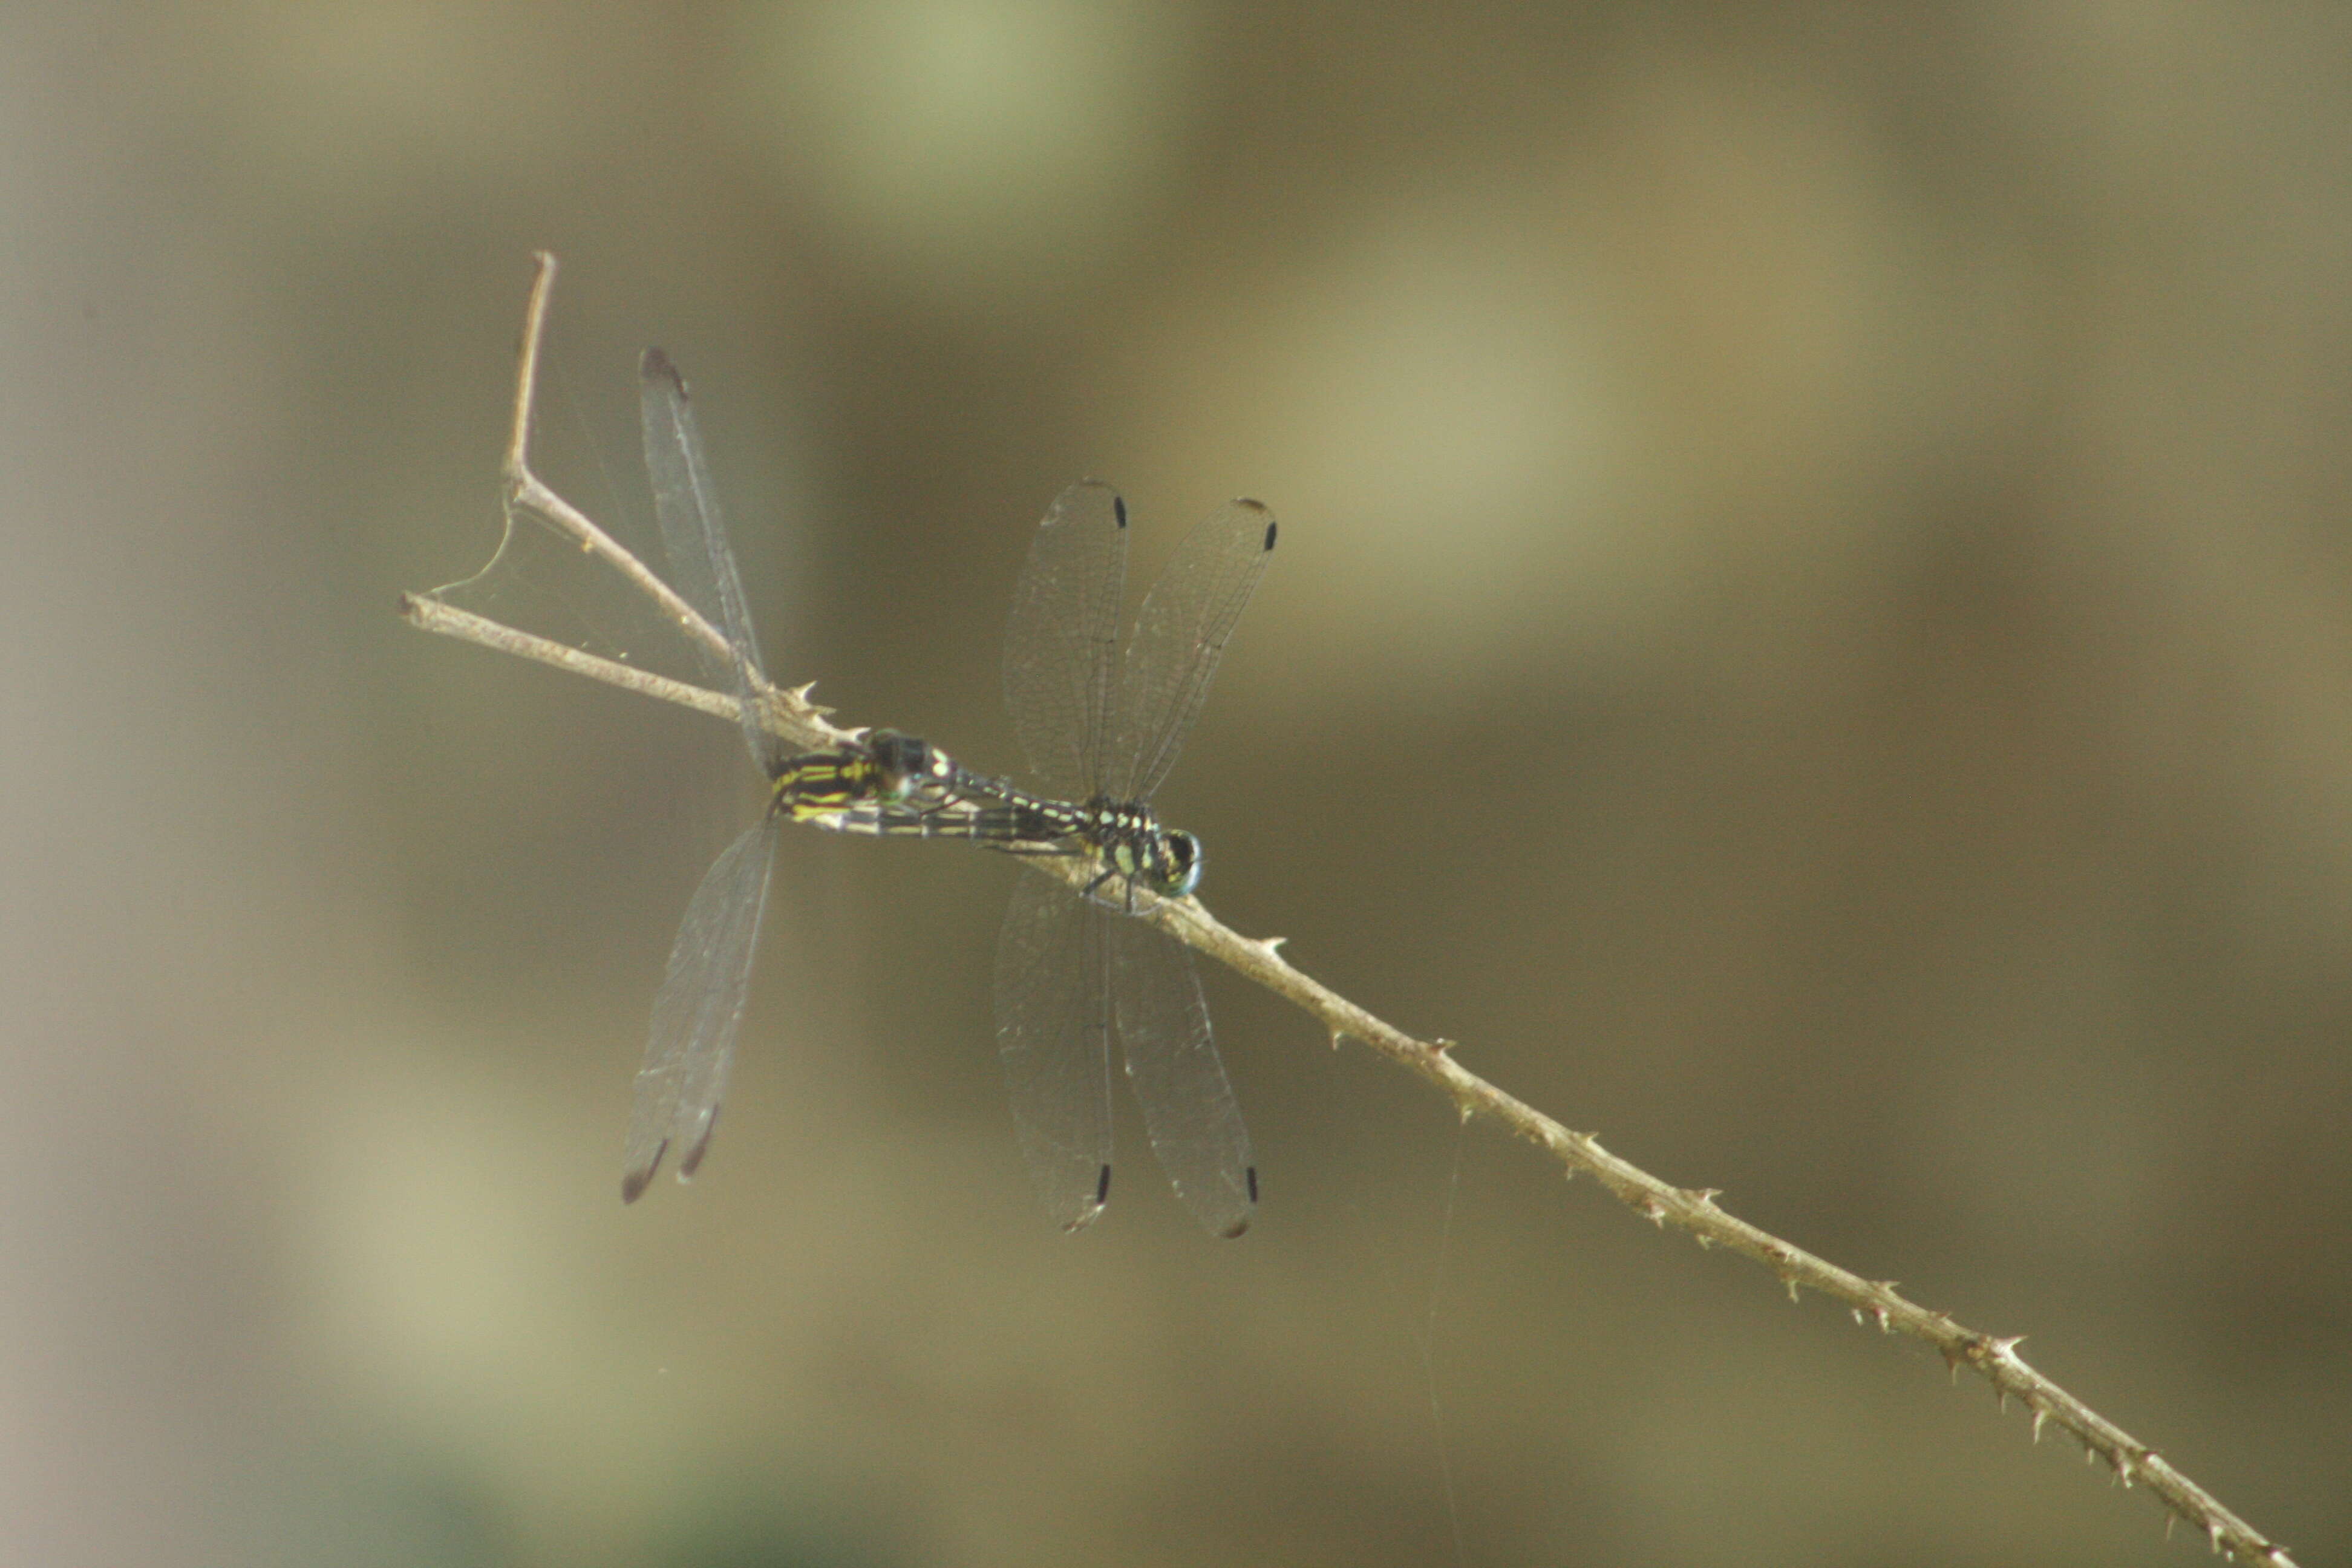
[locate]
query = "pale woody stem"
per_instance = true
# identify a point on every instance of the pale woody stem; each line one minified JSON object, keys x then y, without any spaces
{"x":1691,"y":1209}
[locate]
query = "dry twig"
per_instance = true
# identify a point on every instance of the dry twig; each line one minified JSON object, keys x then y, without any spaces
{"x":790,"y":714}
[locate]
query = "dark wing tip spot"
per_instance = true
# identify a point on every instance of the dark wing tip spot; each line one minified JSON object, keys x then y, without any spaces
{"x":1258,"y":508}
{"x":1091,"y":1211}
{"x":635,"y":1183}
{"x":654,"y":365}
{"x":692,"y":1161}
{"x":1235,"y":1231}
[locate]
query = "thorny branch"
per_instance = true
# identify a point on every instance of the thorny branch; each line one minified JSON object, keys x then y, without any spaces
{"x":790,"y":714}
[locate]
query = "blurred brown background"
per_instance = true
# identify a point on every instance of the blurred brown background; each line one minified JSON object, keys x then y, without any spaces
{"x":1813,"y":634}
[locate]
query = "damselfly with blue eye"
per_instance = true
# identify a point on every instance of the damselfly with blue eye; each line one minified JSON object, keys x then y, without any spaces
{"x":1101,"y":736}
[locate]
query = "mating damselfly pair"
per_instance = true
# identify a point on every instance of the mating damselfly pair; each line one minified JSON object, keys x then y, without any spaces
{"x":1072,"y":967}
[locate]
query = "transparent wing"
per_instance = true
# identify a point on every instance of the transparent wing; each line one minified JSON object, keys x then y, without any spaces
{"x":691,"y":1048}
{"x":1061,"y":646}
{"x":1188,"y":1105}
{"x":1053,"y":1034}
{"x":1180,"y":636}
{"x":696,"y":538}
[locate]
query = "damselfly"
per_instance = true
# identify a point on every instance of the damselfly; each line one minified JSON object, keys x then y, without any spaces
{"x":691,"y":1051}
{"x":1101,"y":736}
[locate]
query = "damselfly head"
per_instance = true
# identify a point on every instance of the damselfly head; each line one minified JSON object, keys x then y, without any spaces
{"x":1174,"y":867}
{"x":913,"y":771}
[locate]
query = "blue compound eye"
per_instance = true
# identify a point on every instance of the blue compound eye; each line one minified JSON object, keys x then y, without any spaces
{"x":1182,"y":872}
